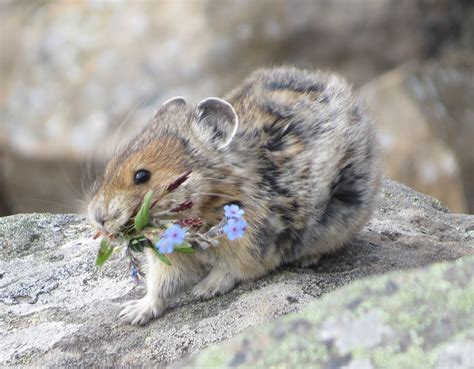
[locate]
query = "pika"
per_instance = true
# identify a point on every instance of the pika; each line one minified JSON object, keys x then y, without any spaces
{"x":294,"y":149}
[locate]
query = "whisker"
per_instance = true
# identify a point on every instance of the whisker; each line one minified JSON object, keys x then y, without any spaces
{"x":88,"y":167}
{"x":118,"y":136}
{"x":92,"y":189}
{"x":68,"y":180}
{"x":88,"y":180}
{"x":84,"y":191}
{"x":95,"y":168}
{"x":83,"y":177}
{"x":54,"y":203}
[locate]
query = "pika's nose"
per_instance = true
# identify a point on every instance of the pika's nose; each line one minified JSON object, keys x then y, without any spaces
{"x":100,"y":218}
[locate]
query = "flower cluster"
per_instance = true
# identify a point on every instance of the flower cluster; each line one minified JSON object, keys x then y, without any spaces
{"x":236,"y":225}
{"x":165,"y":236}
{"x":233,"y":211}
{"x":174,"y":235}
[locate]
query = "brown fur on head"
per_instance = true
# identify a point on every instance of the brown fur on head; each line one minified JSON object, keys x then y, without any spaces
{"x":164,"y":151}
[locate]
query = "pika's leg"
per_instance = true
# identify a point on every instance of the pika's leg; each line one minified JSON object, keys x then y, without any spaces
{"x":219,"y":281}
{"x":163,"y":282}
{"x":223,"y":277}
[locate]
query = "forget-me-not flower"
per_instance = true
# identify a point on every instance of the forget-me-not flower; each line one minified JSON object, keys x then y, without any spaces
{"x":235,"y":228}
{"x":233,"y":211}
{"x":174,"y":235}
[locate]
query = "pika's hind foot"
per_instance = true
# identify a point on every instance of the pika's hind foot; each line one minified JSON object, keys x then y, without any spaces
{"x":216,"y":283}
{"x":140,"y":312}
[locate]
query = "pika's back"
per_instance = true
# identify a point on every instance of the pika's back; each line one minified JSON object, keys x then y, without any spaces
{"x":292,"y":116}
{"x":283,"y":93}
{"x":311,"y":148}
{"x":288,"y":112}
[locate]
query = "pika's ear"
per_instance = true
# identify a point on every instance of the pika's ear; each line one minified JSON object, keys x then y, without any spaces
{"x":170,"y":105}
{"x":216,"y":122}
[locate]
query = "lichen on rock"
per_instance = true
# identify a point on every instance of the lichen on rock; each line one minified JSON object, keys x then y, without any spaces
{"x":416,"y":319}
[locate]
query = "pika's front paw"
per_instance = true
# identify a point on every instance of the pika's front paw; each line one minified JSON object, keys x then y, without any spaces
{"x":140,"y":312}
{"x":216,"y":283}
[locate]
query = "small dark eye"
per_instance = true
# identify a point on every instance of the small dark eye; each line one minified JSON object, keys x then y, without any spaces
{"x":141,"y":176}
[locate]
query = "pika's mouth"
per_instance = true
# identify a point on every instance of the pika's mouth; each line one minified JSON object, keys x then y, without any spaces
{"x":112,"y":227}
{"x":123,"y":229}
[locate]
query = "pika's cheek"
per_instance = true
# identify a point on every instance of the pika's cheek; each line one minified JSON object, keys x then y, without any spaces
{"x":120,"y":207}
{"x":113,"y":226}
{"x":116,"y":220}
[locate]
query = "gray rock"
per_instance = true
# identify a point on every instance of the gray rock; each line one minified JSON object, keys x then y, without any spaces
{"x":417,"y":319}
{"x":58,"y":310}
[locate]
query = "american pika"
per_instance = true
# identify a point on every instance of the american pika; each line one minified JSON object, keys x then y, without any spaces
{"x":294,"y":148}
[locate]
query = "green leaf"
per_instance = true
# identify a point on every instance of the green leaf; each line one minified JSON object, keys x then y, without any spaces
{"x":185,"y":251}
{"x":162,"y":257}
{"x":135,"y":245}
{"x":138,"y":243}
{"x":141,"y":219}
{"x":184,"y":248}
{"x":104,"y":253}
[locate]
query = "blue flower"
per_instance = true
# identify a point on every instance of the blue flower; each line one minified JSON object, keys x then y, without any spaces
{"x":135,"y":275}
{"x":174,"y":235}
{"x":233,"y":211}
{"x":235,"y":228}
{"x":164,"y":247}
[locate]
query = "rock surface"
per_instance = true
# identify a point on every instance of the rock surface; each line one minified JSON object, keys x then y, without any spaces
{"x":58,"y":310}
{"x":400,"y":320}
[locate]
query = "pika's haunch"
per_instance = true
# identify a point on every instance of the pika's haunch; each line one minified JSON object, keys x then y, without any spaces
{"x":295,"y":149}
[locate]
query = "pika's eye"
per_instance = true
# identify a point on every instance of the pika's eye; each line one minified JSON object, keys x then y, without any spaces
{"x":141,"y":176}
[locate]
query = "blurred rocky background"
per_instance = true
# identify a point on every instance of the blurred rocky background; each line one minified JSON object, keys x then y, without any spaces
{"x":79,"y":78}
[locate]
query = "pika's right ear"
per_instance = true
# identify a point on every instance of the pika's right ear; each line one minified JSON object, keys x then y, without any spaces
{"x":169,"y":105}
{"x":215,"y":122}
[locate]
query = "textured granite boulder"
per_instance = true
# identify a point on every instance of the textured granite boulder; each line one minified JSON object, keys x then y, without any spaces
{"x":402,"y":320}
{"x":58,"y":310}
